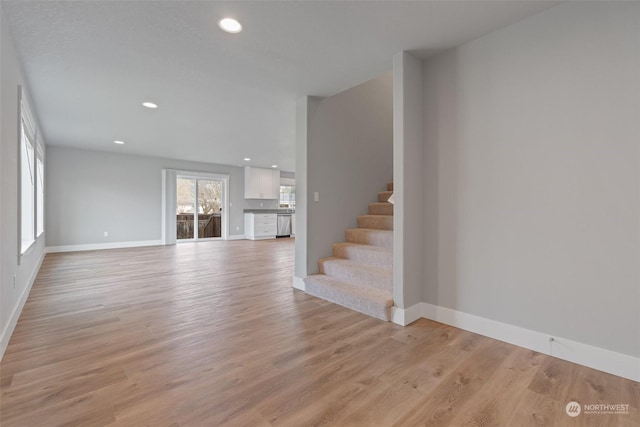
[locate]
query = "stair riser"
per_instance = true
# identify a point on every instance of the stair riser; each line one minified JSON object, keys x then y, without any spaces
{"x":361,"y":254}
{"x":376,"y":222}
{"x":383,"y":196}
{"x":380,"y":209}
{"x":389,"y":186}
{"x":382,"y":239}
{"x":380,"y":309}
{"x":357,"y":276}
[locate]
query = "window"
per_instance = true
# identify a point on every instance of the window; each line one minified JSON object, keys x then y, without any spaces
{"x":288,"y":196}
{"x":39,"y":191}
{"x":27,"y":181}
{"x":31,"y":179}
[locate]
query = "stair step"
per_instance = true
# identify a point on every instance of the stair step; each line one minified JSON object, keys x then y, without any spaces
{"x":365,"y":236}
{"x":365,"y":254}
{"x":377,"y":222}
{"x":380,"y":208}
{"x":383,"y":196}
{"x":357,"y":273}
{"x":371,"y":301}
{"x":390,"y":186}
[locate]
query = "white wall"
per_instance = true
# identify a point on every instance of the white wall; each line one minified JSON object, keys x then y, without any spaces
{"x":92,"y":192}
{"x":532,"y":137}
{"x":24,"y":267}
{"x":305,"y":108}
{"x":349,"y":159}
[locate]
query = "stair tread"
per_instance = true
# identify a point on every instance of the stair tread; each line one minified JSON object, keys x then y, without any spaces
{"x":369,"y":231}
{"x":358,"y":265}
{"x":370,"y":301}
{"x":360,"y":273}
{"x":380,"y":208}
{"x":370,"y":236}
{"x":372,"y":230}
{"x":367,"y":247}
{"x":377,"y":222}
{"x":366,"y":254}
{"x":383,"y":196}
{"x":346,"y":283}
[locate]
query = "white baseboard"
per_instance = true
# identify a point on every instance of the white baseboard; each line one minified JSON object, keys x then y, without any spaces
{"x":17,"y":309}
{"x":100,"y":246}
{"x":236,"y":237}
{"x":405,"y":316}
{"x":583,"y":354}
{"x":298,"y":283}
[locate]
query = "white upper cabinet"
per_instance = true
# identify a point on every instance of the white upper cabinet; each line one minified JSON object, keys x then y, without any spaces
{"x":261,"y":183}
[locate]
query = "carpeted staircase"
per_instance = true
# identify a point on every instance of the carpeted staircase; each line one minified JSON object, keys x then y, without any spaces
{"x":359,"y":275}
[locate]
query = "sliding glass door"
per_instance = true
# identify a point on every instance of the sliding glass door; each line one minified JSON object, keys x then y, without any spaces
{"x":209,"y":208}
{"x":199,"y":208}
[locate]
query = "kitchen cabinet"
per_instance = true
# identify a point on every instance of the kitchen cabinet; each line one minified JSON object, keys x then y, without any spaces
{"x":259,"y":226}
{"x":261,"y":183}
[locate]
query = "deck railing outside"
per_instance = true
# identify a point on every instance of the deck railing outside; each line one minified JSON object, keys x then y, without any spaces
{"x":209,"y":225}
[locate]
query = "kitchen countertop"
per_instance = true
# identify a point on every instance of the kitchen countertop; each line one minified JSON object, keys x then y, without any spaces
{"x":288,"y":211}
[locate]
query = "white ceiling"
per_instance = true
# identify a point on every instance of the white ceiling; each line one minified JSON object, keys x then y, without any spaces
{"x":222,"y":97}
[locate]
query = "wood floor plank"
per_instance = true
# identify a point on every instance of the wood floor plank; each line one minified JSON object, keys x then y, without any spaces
{"x":383,"y":407}
{"x":554,"y":378}
{"x":445,"y":401}
{"x":538,"y":410}
{"x":212,"y":334}
{"x":427,"y":372}
{"x":83,"y":410}
{"x":494,"y":404}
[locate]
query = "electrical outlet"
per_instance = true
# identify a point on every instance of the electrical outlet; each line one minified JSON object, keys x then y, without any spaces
{"x":106,"y":234}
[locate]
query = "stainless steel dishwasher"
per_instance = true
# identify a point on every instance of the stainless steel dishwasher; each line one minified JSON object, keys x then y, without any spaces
{"x":284,"y":224}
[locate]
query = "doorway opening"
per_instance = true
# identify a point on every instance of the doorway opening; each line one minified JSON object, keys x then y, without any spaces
{"x":199,"y":203}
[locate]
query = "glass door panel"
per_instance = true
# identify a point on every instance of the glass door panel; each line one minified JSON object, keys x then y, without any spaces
{"x":186,"y":212}
{"x":209,"y":208}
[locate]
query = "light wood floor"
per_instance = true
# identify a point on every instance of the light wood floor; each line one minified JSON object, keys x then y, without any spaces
{"x":212,"y":334}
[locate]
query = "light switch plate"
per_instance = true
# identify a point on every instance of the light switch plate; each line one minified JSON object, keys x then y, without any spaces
{"x":316,"y":196}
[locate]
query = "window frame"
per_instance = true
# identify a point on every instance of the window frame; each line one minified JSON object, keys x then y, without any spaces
{"x":39,"y":189}
{"x":29,"y":143}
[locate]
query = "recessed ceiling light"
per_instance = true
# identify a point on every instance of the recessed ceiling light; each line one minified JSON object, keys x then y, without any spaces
{"x":246,"y":159}
{"x":230,"y":25}
{"x":274,"y":166}
{"x":118,"y":142}
{"x":150,"y":104}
